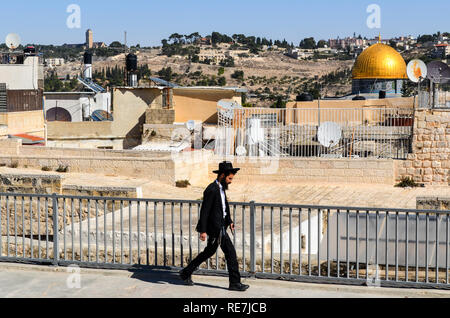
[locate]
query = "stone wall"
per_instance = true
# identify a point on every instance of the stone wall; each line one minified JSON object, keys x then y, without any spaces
{"x":430,"y":161}
{"x":156,"y":169}
{"x":313,"y":170}
{"x":30,"y":183}
{"x":433,"y":203}
{"x":10,"y":146}
{"x":159,"y":116}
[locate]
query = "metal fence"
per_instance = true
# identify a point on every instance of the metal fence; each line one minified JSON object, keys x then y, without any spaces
{"x":362,"y":246}
{"x":316,"y":132}
{"x":438,"y":98}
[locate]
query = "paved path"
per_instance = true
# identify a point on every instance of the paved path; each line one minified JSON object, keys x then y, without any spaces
{"x":25,"y":281}
{"x":353,"y":195}
{"x":339,"y":194}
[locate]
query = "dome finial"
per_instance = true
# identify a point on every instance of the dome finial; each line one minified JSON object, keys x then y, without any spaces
{"x":379,"y":38}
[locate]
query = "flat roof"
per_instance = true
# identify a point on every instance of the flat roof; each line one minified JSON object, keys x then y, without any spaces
{"x":211,"y":88}
{"x":70,"y":93}
{"x":218,"y":88}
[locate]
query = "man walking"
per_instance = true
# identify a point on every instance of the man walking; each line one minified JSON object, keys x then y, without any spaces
{"x":214,"y":221}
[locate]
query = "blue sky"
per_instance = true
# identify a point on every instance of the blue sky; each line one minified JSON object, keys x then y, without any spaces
{"x":149,"y":21}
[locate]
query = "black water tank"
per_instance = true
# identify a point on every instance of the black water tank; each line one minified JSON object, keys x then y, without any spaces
{"x":29,"y":50}
{"x":304,"y":97}
{"x":359,"y":97}
{"x":132,"y":63}
{"x":382,"y":95}
{"x":87,"y":58}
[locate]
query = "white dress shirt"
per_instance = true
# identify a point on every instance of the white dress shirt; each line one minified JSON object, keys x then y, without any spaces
{"x":222,"y":194}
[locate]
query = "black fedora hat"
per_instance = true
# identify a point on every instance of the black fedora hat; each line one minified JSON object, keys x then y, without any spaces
{"x":225,"y":167}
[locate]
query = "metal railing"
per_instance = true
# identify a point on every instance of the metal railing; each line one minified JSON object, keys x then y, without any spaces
{"x":299,"y":132}
{"x":438,"y":98}
{"x":362,"y":246}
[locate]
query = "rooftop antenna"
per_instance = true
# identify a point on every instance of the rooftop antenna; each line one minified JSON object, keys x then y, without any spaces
{"x":125,"y":42}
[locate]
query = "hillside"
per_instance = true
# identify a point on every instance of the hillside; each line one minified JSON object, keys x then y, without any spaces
{"x":266,"y":76}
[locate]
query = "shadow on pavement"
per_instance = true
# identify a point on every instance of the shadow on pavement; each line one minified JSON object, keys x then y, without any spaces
{"x":163,"y":277}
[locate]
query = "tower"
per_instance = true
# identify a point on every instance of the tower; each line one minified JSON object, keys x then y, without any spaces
{"x":89,"y":39}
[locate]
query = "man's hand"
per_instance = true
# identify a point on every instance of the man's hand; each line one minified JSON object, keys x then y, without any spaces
{"x":203,"y":237}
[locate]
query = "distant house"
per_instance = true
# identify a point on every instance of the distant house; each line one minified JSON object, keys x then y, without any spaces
{"x":98,"y":45}
{"x":204,"y":41}
{"x":441,"y":50}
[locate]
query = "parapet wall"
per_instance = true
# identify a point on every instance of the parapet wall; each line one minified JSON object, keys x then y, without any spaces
{"x":318,"y":170}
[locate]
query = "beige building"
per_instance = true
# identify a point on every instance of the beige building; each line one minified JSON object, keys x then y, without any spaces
{"x":130,"y":106}
{"x":215,"y":56}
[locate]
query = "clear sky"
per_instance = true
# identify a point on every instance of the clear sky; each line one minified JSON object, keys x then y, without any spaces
{"x":149,"y":21}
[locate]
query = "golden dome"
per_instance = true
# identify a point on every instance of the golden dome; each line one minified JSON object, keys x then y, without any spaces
{"x":380,"y":61}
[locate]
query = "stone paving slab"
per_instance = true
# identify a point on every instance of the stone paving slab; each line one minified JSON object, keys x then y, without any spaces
{"x":25,"y":281}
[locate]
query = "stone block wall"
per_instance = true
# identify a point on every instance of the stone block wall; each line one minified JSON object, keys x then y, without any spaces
{"x":30,"y":184}
{"x":433,"y":203}
{"x":10,"y":146}
{"x":316,"y":170}
{"x":430,"y":161}
{"x":159,"y":116}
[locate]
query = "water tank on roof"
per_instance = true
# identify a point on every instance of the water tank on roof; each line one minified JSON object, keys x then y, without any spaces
{"x":304,"y":97}
{"x":29,"y":50}
{"x":87,"y":58}
{"x":132,"y":63}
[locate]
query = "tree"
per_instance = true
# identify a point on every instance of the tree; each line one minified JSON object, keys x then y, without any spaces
{"x":227,"y":62}
{"x":425,"y":38}
{"x":166,"y":74}
{"x":280,"y":103}
{"x":116,"y":44}
{"x":221,"y":81}
{"x":239,"y":75}
{"x":221,"y":71}
{"x":321,"y":44}
{"x":308,"y":44}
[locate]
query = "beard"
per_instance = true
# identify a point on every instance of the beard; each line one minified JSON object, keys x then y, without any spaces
{"x":224,"y":184}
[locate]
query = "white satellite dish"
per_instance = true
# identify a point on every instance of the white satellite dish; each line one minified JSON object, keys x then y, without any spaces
{"x":228,"y":104}
{"x":329,"y":134}
{"x":12,"y":41}
{"x":417,"y":71}
{"x":190,"y":125}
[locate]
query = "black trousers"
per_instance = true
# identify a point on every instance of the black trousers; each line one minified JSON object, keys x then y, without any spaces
{"x":230,"y":255}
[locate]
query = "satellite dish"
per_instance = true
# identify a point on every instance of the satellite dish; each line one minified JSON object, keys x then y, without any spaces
{"x":12,"y":41}
{"x":228,"y":104}
{"x":241,"y":151}
{"x":329,"y":134}
{"x":417,"y":71}
{"x":438,"y":72}
{"x":190,"y":125}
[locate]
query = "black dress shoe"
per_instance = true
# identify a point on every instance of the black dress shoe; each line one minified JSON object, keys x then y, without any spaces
{"x":186,"y":279}
{"x":238,"y":287}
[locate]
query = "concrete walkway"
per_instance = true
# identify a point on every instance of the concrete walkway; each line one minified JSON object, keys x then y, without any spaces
{"x":24,"y":281}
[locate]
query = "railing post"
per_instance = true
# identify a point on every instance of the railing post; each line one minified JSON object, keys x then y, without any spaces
{"x":252,"y":238}
{"x":55,"y":230}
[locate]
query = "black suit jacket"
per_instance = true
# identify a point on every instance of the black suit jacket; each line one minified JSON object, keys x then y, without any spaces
{"x":211,"y":212}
